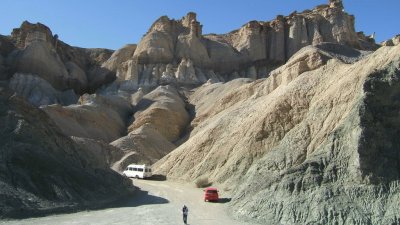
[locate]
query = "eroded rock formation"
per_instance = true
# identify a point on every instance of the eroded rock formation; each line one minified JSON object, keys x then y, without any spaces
{"x":313,"y":143}
{"x":40,"y":92}
{"x":176,"y":51}
{"x":43,"y":171}
{"x":37,"y":51}
{"x":96,"y":117}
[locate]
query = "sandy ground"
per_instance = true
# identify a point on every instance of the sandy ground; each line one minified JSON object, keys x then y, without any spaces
{"x":157,"y":202}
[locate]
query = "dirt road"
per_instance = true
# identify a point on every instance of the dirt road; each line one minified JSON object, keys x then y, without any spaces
{"x":157,"y":202}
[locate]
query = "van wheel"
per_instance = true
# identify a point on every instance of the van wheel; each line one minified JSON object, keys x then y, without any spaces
{"x":137,"y":177}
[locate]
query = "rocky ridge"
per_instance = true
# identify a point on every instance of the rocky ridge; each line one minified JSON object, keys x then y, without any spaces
{"x":311,"y":144}
{"x":32,"y":50}
{"x":43,"y":171}
{"x":282,"y":113}
{"x":176,"y":51}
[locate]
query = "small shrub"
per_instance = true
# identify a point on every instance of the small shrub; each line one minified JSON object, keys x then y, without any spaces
{"x":227,"y":189}
{"x":202,"y":182}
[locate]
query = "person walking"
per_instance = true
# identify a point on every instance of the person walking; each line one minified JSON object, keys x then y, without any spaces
{"x":185,"y":212}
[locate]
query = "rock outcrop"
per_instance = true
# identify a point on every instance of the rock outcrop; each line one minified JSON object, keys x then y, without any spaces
{"x":160,"y":120}
{"x":144,"y":145}
{"x":313,"y":143}
{"x":119,"y":61}
{"x":6,"y":47}
{"x":39,"y":92}
{"x":43,"y":171}
{"x":101,"y":154}
{"x":392,"y":42}
{"x":38,"y":58}
{"x":176,"y":51}
{"x":97,"y":117}
{"x":165,"y":110}
{"x":37,"y":51}
{"x":297,"y":117}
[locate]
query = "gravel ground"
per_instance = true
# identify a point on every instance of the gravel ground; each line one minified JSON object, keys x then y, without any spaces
{"x":157,"y":202}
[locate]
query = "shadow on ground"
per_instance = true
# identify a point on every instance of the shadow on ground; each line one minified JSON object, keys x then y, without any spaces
{"x":224,"y":200}
{"x":157,"y":177}
{"x":221,"y":200}
{"x":139,"y":198}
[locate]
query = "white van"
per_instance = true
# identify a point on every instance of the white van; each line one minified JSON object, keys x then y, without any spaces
{"x":138,"y":171}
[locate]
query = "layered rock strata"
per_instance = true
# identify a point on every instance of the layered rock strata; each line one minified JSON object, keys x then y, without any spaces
{"x":176,"y":51}
{"x":37,"y":51}
{"x":96,"y":117}
{"x":43,"y":171}
{"x":159,"y":121}
{"x":39,"y":92}
{"x":314,"y":143}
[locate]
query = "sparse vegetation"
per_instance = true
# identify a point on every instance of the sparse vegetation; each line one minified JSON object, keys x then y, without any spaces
{"x":202,"y":182}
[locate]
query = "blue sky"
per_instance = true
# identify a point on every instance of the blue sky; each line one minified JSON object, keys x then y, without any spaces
{"x":114,"y":23}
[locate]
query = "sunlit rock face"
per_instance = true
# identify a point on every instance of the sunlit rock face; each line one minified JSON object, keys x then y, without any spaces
{"x":39,"y":52}
{"x":252,"y":51}
{"x":314,"y":143}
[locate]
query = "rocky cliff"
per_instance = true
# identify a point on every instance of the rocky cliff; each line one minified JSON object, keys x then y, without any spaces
{"x":43,"y":171}
{"x":32,"y":50}
{"x":173,"y":52}
{"x":296,"y":117}
{"x":176,"y":51}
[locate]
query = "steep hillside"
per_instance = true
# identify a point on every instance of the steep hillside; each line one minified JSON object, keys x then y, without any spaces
{"x":303,"y":147}
{"x":45,"y":70}
{"x":159,"y":120}
{"x":43,"y":171}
